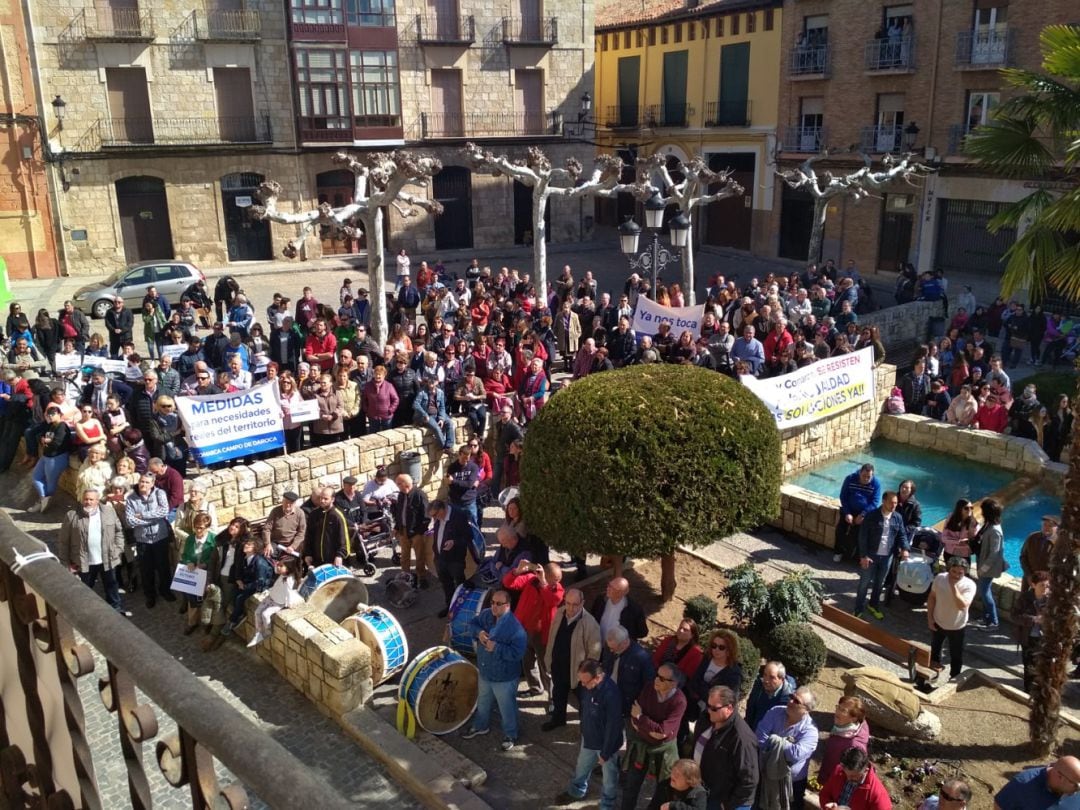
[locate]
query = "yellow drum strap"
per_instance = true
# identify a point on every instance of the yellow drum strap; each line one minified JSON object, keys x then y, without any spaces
{"x":406,"y":717}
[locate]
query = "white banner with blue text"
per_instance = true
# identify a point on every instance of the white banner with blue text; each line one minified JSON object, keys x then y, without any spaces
{"x":649,"y":315}
{"x":226,"y":426}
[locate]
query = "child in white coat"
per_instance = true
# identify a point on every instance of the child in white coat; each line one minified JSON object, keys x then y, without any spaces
{"x":284,"y":593}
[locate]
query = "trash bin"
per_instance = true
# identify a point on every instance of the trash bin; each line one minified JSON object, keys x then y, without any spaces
{"x":409,"y":460}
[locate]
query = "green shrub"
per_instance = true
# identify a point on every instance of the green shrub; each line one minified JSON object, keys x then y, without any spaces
{"x":800,"y":649}
{"x":746,"y":593}
{"x":750,"y":660}
{"x":793,"y":599}
{"x":639,"y":460}
{"x":702,"y":609}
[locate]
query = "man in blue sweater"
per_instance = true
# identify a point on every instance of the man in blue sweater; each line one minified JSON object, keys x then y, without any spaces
{"x":500,"y":648}
{"x":881,"y":533}
{"x":859,"y":494}
{"x":601,"y":735}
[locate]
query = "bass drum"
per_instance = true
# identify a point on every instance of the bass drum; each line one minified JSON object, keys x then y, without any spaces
{"x":438,"y":690}
{"x":334,"y":590}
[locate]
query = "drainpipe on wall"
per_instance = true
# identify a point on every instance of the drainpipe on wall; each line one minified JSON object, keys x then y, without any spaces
{"x":927,"y":197}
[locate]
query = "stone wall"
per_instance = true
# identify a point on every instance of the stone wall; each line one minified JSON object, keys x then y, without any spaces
{"x":1023,"y":456}
{"x":316,"y":655}
{"x":903,"y":327}
{"x":809,"y":445}
{"x":252,"y":490}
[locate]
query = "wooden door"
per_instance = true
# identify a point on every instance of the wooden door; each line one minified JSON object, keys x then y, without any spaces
{"x":235,"y":108}
{"x":529,"y":102}
{"x":446,"y":104}
{"x":453,"y":188}
{"x":144,"y":219}
{"x":129,"y":106}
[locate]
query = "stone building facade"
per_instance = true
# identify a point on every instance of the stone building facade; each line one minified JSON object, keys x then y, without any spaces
{"x":27,"y":238}
{"x":173,"y":114}
{"x":885,"y":78}
{"x":503,"y":77}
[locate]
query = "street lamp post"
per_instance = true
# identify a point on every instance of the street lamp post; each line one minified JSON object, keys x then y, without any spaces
{"x":656,"y":256}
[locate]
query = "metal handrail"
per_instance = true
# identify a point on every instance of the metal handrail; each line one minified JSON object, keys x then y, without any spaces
{"x":435,"y":28}
{"x":253,"y":756}
{"x":728,"y":113}
{"x":897,"y":53}
{"x":668,"y":115}
{"x":809,"y":60}
{"x":113,"y":132}
{"x":989,"y":49}
{"x":531,"y":30}
{"x":490,"y":125}
{"x":229,"y":24}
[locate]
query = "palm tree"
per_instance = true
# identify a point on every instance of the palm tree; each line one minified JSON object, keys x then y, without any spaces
{"x":1036,"y":134}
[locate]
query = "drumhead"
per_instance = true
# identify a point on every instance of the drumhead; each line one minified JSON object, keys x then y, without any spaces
{"x":339,"y":598}
{"x":447,"y":698}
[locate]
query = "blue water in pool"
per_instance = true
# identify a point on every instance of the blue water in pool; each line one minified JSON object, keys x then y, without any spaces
{"x":1021,"y":518}
{"x":940,"y":480}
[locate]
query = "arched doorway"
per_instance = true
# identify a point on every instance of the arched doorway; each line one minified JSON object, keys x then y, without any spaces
{"x":337,"y":188}
{"x":144,"y":219}
{"x":453,"y":228}
{"x":247,"y":239}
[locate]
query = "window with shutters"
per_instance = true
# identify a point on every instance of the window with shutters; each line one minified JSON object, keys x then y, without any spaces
{"x":323,"y":86}
{"x":751,"y":22}
{"x":734,"y":25}
{"x":769,"y":19}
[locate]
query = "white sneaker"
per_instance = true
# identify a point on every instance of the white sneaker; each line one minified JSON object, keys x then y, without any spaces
{"x":255,"y":639}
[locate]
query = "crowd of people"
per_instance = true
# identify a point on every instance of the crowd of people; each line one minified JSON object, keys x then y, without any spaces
{"x":486,"y":348}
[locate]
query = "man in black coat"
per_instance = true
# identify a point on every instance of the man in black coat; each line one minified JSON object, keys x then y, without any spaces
{"x":621,"y":344}
{"x":452,"y":538}
{"x":326,"y":539}
{"x":616,"y":607}
{"x":70,"y":318}
{"x":120,"y":323}
{"x":184,"y":363}
{"x":286,"y":346}
{"x":214,"y":347}
{"x":410,"y":525}
{"x":507,"y":431}
{"x":727,"y":752}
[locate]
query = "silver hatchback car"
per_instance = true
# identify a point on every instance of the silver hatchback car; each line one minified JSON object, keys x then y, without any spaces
{"x":171,"y":278}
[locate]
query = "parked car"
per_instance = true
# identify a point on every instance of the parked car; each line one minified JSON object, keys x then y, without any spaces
{"x":131,"y":284}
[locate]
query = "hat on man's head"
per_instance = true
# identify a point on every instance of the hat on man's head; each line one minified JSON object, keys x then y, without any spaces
{"x":1055,"y":519}
{"x":349,"y":479}
{"x":289,"y":495}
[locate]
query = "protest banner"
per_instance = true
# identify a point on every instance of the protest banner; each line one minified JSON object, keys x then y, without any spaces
{"x":193,"y":583}
{"x":69,"y":362}
{"x":821,"y":389}
{"x":173,"y":350}
{"x":649,"y":315}
{"x":225,"y":426}
{"x":106,"y":364}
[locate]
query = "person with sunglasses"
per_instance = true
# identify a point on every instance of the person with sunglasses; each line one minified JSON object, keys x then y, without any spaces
{"x":787,"y":738}
{"x":954,"y":795}
{"x":652,"y":737}
{"x":1052,"y":787}
{"x":500,"y":649}
{"x":726,"y":751}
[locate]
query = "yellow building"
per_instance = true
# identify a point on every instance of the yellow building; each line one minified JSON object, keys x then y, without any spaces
{"x":687,"y":78}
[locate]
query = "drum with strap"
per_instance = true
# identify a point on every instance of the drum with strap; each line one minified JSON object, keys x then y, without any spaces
{"x":438,"y":690}
{"x":380,"y":632}
{"x":466,"y":603}
{"x":334,"y":590}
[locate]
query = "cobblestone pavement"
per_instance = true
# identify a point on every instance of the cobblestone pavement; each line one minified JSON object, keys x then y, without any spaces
{"x":240,"y":677}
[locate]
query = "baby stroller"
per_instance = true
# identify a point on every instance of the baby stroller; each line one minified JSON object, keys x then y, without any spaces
{"x":376,"y":533}
{"x":915,"y":575}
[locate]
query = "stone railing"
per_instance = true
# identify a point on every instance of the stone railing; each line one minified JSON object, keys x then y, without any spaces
{"x":1012,"y":453}
{"x":903,"y":327}
{"x":809,"y":445}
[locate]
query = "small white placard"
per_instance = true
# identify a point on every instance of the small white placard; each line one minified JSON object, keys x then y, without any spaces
{"x":174,"y":350}
{"x":193,"y":583}
{"x":306,"y":411}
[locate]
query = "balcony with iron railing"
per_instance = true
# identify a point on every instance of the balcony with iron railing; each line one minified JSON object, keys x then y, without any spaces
{"x":957,"y":133}
{"x":727,"y":113}
{"x":622,"y":116}
{"x":81,"y":694}
{"x":114,"y":25}
{"x":541,"y":31}
{"x":435,"y":126}
{"x":882,"y":139}
{"x":658,"y":116}
{"x":119,"y":133}
{"x":445,"y":29}
{"x":810,"y":140}
{"x":240,"y":25}
{"x":983,"y":50}
{"x":890,"y":55}
{"x":809,"y":62}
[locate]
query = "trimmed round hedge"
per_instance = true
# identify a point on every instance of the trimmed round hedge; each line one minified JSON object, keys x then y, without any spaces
{"x":638,"y":460}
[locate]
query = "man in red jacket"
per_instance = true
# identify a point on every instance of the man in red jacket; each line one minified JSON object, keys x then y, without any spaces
{"x":540,"y":592}
{"x":855,"y":785}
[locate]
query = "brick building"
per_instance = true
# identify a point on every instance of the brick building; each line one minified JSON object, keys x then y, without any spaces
{"x":27,"y":238}
{"x":886,"y":77}
{"x":686,"y":79}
